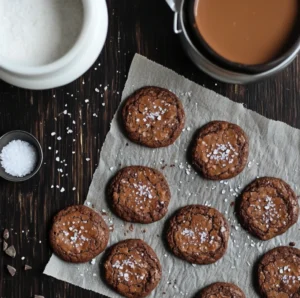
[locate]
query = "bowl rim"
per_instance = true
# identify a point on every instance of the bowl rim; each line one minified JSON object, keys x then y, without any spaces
{"x":38,"y":164}
{"x":245,"y":68}
{"x":87,"y":24}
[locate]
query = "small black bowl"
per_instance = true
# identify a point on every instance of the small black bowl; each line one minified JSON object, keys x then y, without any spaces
{"x":289,"y":48}
{"x":27,"y":137}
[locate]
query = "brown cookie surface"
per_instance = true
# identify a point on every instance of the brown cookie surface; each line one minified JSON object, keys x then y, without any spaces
{"x":153,"y":117}
{"x":221,"y":290}
{"x":220,"y":150}
{"x":132,"y":268}
{"x":198,"y":234}
{"x":78,"y":234}
{"x":269,"y":207}
{"x":140,"y":194}
{"x":279,"y":273}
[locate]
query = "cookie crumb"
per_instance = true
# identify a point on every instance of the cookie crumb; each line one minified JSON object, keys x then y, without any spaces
{"x":27,"y":267}
{"x":6,"y":234}
{"x":11,"y":251}
{"x":12,"y":271}
{"x":5,"y":245}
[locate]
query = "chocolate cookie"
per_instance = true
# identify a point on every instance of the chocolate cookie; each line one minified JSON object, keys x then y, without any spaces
{"x":140,"y":194}
{"x":279,"y":273}
{"x":78,"y":234}
{"x":153,"y":117}
{"x":132,"y":268}
{"x":269,"y":207}
{"x":221,"y":150}
{"x":198,"y":234}
{"x":221,"y":290}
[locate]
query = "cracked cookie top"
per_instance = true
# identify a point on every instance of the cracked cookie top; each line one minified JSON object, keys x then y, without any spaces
{"x":78,"y":234}
{"x":198,"y":234}
{"x":220,"y":150}
{"x":268,"y":208}
{"x":140,"y":194}
{"x":221,"y":290}
{"x":153,"y":117}
{"x":132,"y":268}
{"x":279,"y":273}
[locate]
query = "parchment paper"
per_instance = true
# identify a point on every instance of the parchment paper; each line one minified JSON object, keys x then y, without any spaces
{"x":274,"y":151}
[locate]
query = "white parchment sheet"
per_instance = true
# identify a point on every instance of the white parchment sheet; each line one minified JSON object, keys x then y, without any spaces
{"x":274,"y":151}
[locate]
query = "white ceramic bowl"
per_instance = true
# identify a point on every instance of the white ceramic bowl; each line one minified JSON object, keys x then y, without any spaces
{"x":74,"y":63}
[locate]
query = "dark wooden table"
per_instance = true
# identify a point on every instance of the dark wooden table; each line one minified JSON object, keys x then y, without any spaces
{"x":26,"y":208}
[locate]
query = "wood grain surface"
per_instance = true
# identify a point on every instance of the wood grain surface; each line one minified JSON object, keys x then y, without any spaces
{"x":136,"y":26}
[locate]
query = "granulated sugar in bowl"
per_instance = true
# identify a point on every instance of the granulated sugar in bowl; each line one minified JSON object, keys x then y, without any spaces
{"x":38,"y":32}
{"x":49,"y":43}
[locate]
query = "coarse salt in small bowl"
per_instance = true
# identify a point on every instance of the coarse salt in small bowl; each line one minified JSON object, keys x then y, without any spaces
{"x":14,"y":172}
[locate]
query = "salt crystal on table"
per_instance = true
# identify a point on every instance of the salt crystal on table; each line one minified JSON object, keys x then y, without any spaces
{"x":18,"y":158}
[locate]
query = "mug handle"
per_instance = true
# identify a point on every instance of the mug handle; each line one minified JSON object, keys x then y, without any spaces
{"x":175,"y":24}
